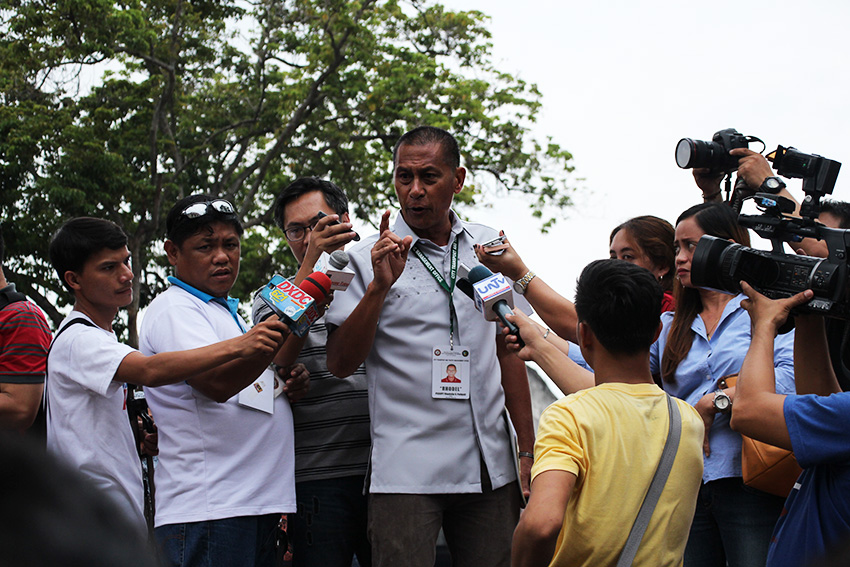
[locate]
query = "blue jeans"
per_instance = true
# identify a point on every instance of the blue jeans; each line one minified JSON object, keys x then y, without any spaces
{"x":247,"y":541}
{"x":732,"y":525}
{"x":329,"y":528}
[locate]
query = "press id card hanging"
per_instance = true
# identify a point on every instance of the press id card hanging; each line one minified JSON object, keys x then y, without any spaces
{"x":260,"y":395}
{"x":450,"y":372}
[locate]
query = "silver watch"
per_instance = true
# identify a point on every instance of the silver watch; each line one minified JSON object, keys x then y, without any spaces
{"x":522,"y":284}
{"x":722,"y":401}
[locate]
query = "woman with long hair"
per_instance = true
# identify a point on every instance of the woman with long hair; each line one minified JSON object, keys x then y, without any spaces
{"x":704,"y":341}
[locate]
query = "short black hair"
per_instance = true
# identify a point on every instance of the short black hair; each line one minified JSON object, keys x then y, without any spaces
{"x":334,"y":196}
{"x":179,"y":227}
{"x":79,"y":239}
{"x":621,"y":303}
{"x":424,"y":135}
{"x":838,"y":209}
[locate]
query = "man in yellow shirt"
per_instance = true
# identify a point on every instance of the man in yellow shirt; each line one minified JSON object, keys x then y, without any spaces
{"x":597,"y":450}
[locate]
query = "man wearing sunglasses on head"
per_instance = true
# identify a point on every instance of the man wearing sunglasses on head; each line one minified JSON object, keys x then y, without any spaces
{"x":225,"y":472}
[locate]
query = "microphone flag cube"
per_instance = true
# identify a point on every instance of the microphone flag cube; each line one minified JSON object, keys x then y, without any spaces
{"x":490,"y":290}
{"x":291,"y":304}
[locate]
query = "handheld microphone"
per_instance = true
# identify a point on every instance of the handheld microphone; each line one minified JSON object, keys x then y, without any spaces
{"x":335,"y":266}
{"x":493,"y":296}
{"x":296,"y":305}
{"x":465,"y":286}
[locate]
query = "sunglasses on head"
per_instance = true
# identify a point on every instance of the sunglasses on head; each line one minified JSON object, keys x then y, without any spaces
{"x":196,"y":210}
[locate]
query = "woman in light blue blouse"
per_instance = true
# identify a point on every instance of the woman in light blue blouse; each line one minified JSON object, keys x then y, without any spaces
{"x":705,"y":340}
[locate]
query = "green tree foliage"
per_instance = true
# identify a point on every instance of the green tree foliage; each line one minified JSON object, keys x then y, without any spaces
{"x":117,"y":109}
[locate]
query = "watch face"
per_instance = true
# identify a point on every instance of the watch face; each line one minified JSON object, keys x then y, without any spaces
{"x":721,"y":402}
{"x":771,"y":182}
{"x":518,"y":288}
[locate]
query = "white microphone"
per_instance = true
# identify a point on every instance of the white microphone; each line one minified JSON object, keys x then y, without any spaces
{"x":493,"y":292}
{"x":335,"y":266}
{"x":493,"y":296}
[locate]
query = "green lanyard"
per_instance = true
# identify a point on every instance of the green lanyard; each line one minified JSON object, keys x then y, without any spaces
{"x":448,"y":286}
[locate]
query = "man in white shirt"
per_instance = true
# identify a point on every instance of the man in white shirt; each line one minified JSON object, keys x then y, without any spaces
{"x":441,"y":453}
{"x":225,"y":473}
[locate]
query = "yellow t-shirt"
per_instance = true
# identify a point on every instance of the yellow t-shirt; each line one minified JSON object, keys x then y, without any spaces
{"x":611,"y":437}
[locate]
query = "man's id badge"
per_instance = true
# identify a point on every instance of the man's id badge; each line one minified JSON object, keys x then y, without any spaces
{"x":259,"y":395}
{"x":450,"y":372}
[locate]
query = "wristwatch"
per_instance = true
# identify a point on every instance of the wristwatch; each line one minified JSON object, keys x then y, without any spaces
{"x":771,"y":185}
{"x":522,"y":284}
{"x":722,"y":401}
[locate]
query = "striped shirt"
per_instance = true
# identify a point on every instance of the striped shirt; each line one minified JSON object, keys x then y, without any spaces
{"x":332,"y":420}
{"x":24,"y":341}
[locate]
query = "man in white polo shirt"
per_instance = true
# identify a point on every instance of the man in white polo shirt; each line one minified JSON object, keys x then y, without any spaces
{"x":441,"y":453}
{"x":225,"y":472}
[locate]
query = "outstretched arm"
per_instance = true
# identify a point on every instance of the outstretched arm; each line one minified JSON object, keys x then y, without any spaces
{"x":546,"y":352}
{"x":219,"y":370}
{"x":758,"y":411}
{"x":556,"y":310}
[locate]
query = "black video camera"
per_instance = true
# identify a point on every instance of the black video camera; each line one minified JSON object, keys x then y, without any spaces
{"x":720,"y":264}
{"x":713,"y":155}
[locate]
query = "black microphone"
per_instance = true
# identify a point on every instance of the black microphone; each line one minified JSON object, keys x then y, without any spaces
{"x":465,"y":286}
{"x":493,"y":296}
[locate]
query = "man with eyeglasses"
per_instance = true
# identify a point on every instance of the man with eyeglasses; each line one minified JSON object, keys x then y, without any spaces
{"x":332,"y":420}
{"x":225,"y":472}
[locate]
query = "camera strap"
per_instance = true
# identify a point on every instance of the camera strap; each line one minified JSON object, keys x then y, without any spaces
{"x":40,"y":425}
{"x":9,"y":295}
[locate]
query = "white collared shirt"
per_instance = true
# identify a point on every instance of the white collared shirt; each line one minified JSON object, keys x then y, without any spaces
{"x":422,"y":445}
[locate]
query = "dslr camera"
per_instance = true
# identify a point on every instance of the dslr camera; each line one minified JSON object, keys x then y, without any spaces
{"x":720,"y":264}
{"x":713,"y":155}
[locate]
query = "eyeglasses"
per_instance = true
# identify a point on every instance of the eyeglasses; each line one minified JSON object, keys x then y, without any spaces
{"x":196,"y":210}
{"x":296,"y":233}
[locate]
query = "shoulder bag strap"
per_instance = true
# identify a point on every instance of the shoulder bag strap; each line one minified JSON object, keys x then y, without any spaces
{"x":674,"y":433}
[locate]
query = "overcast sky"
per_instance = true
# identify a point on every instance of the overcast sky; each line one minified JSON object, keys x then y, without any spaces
{"x":623,"y":81}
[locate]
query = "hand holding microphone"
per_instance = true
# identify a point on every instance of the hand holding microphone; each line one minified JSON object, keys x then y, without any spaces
{"x":493,"y":296}
{"x":294,"y":305}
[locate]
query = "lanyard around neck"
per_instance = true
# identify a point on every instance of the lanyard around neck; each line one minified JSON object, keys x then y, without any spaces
{"x":447,"y":286}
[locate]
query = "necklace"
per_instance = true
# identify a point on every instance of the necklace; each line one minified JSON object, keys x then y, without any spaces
{"x":710,"y":327}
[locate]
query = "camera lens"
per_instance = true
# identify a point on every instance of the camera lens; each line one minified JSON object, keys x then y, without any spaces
{"x":698,"y":153}
{"x":709,"y":267}
{"x":684,"y":153}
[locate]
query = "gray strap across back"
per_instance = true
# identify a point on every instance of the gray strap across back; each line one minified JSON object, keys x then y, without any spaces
{"x":671,"y":446}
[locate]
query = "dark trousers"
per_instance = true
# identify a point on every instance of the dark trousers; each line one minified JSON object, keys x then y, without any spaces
{"x":329,"y":528}
{"x":403,"y":528}
{"x":732,"y":526}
